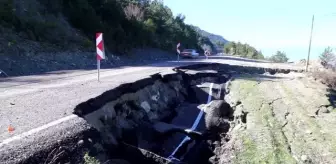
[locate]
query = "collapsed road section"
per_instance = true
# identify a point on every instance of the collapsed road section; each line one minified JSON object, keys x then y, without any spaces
{"x":178,"y":117}
{"x":163,"y":114}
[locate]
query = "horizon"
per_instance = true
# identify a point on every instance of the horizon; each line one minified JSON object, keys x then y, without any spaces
{"x":267,"y":26}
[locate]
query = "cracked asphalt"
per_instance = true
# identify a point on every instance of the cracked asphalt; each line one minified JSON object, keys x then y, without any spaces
{"x":30,"y":102}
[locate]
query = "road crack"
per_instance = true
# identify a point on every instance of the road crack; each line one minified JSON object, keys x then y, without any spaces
{"x":287,"y":145}
{"x":286,"y":121}
{"x":274,"y":100}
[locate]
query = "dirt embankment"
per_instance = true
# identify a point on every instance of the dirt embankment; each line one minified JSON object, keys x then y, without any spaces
{"x":289,"y":119}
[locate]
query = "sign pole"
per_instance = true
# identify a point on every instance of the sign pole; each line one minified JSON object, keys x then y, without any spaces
{"x":311,"y":35}
{"x":178,"y":51}
{"x":100,"y":51}
{"x":98,"y":68}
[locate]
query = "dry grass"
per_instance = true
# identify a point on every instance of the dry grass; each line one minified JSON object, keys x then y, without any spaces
{"x":327,"y":77}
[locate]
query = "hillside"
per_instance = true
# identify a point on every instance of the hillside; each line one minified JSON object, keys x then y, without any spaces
{"x":217,"y":40}
{"x":126,"y":24}
{"x":242,"y":50}
{"x":40,"y":31}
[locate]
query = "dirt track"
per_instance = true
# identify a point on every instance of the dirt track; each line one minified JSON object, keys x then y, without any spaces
{"x":279,"y":119}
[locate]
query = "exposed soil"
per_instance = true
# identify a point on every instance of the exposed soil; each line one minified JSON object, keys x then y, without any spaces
{"x":289,"y":119}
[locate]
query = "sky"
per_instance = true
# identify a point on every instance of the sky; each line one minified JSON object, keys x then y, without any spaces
{"x":268,"y":25}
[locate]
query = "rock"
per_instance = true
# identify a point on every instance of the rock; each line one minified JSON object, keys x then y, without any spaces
{"x":217,"y":143}
{"x":305,"y":159}
{"x":218,"y":150}
{"x":80,"y":142}
{"x":309,"y":132}
{"x":219,"y":108}
{"x":330,"y":108}
{"x":145,"y":105}
{"x":216,"y":115}
{"x":213,"y":160}
{"x":323,"y":110}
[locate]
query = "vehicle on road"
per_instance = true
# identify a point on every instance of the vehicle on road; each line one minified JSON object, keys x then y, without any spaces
{"x":189,"y":53}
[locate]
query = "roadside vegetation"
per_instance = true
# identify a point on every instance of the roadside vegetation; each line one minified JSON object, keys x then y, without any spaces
{"x":279,"y":57}
{"x":242,"y":50}
{"x":327,"y":58}
{"x":90,"y":160}
{"x":247,"y":51}
{"x":327,"y":74}
{"x":126,"y":24}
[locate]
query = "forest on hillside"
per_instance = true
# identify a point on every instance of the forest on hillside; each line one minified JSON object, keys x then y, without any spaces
{"x":242,"y":50}
{"x":126,"y":24}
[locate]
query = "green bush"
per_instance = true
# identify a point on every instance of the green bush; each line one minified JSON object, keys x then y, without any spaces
{"x":90,"y":160}
{"x":279,"y":57}
{"x":242,"y":50}
{"x":327,"y":57}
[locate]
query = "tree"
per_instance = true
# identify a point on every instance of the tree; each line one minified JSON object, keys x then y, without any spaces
{"x":327,"y":57}
{"x":279,"y":57}
{"x":126,"y":24}
{"x":230,"y":48}
{"x":242,"y":50}
{"x":260,"y":55}
{"x":134,"y":12}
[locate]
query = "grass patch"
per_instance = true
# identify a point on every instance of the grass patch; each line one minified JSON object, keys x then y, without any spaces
{"x":312,"y":124}
{"x":280,"y":152}
{"x":293,"y":99}
{"x":250,"y":152}
{"x":253,"y":152}
{"x":90,"y":160}
{"x":256,"y":151}
{"x":250,"y":94}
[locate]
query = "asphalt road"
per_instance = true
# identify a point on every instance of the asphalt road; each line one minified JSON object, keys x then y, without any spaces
{"x":33,"y":104}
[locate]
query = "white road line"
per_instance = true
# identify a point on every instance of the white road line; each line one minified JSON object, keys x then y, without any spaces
{"x":33,"y":131}
{"x":9,"y":91}
{"x":196,"y":122}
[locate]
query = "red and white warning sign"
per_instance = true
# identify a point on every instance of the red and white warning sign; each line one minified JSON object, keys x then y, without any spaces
{"x":177,"y":48}
{"x":100,"y":46}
